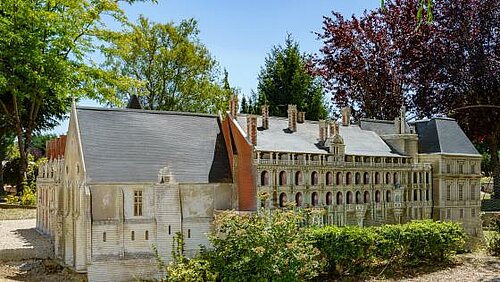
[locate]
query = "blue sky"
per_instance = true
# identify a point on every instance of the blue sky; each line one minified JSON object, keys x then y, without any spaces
{"x":240,"y":34}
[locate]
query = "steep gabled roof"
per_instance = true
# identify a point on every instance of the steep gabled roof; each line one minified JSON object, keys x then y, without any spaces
{"x":125,"y":145}
{"x":443,"y":135}
{"x":306,"y":138}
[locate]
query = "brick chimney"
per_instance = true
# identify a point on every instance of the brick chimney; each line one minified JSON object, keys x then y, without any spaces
{"x":233,"y":106}
{"x":252,"y":129}
{"x":292,"y":118}
{"x":301,"y":117}
{"x":332,"y":128}
{"x":322,"y":130}
{"x":346,"y":116}
{"x":265,"y":116}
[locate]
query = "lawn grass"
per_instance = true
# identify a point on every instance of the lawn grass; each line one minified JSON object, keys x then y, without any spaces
{"x":9,"y":214}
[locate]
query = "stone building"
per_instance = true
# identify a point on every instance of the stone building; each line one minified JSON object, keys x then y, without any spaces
{"x":125,"y":180}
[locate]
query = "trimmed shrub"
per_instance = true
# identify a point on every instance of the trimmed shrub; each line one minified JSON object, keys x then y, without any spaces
{"x":493,"y":237}
{"x":346,"y":249}
{"x":356,"y":249}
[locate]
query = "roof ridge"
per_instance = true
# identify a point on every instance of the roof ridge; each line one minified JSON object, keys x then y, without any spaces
{"x":145,"y":111}
{"x":377,"y":120}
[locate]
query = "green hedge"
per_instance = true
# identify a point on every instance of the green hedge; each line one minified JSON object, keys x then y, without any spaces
{"x":355,"y":249}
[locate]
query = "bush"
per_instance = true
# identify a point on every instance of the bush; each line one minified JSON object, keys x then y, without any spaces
{"x":493,"y":238}
{"x":356,"y":249}
{"x":264,"y":246}
{"x":346,"y":249}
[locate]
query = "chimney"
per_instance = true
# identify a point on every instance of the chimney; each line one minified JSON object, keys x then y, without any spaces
{"x":346,"y":116}
{"x":322,"y":130}
{"x":265,"y":116}
{"x":252,"y":128}
{"x":233,"y":106}
{"x":402,"y":118}
{"x":292,"y":118}
{"x":332,"y":128}
{"x":301,"y":117}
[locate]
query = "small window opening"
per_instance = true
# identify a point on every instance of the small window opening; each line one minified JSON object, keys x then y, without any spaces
{"x":146,"y":235}
{"x":132,"y":235}
{"x":104,"y":236}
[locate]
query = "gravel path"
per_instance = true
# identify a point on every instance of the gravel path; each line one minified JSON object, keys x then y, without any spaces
{"x":20,"y":241}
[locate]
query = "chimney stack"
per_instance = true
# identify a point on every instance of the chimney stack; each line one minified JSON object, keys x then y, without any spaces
{"x":402,"y":118}
{"x":265,"y":116}
{"x":322,"y":130}
{"x":332,"y":128}
{"x":252,"y":128}
{"x":292,"y":118}
{"x":233,"y":105}
{"x":301,"y":117}
{"x":346,"y":116}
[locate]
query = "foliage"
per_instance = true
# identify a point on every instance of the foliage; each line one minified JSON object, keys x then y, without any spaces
{"x":38,"y":144}
{"x":182,"y":268}
{"x":264,"y":246}
{"x":285,"y":79}
{"x":347,"y":249}
{"x":44,"y":50}
{"x":380,"y":61}
{"x":357,"y":249}
{"x":175,"y":70}
{"x":493,"y":238}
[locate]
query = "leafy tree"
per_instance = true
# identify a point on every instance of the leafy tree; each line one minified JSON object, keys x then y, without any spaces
{"x":6,"y":140}
{"x":285,"y":79}
{"x":175,"y":70}
{"x":381,"y":60}
{"x":44,"y":50}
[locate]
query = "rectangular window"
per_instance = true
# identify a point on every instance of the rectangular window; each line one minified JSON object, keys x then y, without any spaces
{"x":460,"y":168}
{"x":448,"y":168}
{"x":146,"y":235}
{"x":473,"y":212}
{"x":461,"y":213}
{"x":104,"y":236}
{"x":460,"y":192}
{"x":448,"y":193}
{"x":448,"y":214}
{"x":137,"y":203}
{"x":132,"y":235}
{"x":473,"y":192}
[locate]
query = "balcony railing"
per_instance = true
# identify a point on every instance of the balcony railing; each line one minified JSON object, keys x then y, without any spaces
{"x":340,"y":164}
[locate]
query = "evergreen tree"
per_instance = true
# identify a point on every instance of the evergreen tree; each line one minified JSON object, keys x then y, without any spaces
{"x":244,"y":105}
{"x":285,"y":79}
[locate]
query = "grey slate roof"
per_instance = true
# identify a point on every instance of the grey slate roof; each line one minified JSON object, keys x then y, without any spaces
{"x":305,"y":139}
{"x":443,"y":135}
{"x":125,"y":145}
{"x":381,"y":127}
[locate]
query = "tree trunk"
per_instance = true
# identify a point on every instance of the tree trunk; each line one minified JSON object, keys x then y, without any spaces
{"x":496,"y":171}
{"x":1,"y":176}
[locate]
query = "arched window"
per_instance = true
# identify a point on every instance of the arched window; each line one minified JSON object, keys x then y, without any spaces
{"x":348,"y":178}
{"x":314,"y":178}
{"x":329,"y":198}
{"x":298,"y":199}
{"x":427,"y":177}
{"x":339,"y":178}
{"x":377,"y":178}
{"x":415,"y":195}
{"x":282,"y":179}
{"x":329,"y":178}
{"x":377,"y":196}
{"x":395,"y":179}
{"x":388,"y":196}
{"x":358,"y":197}
{"x":349,"y":197}
{"x":298,"y":178}
{"x":427,"y":194}
{"x":339,"y":198}
{"x":283,"y":199}
{"x":388,"y":178}
{"x":314,"y":199}
{"x":358,"y":178}
{"x":366,"y":197}
{"x":366,"y":178}
{"x":264,"y":178}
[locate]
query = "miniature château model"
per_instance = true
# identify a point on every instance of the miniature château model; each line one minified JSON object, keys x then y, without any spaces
{"x":125,"y":180}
